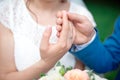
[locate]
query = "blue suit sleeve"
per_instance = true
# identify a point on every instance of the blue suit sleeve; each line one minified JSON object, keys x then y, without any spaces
{"x":102,"y":57}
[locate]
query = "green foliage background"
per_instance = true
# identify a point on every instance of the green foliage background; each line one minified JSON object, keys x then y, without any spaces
{"x":105,"y":13}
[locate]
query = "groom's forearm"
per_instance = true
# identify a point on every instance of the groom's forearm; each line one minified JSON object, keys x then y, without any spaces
{"x":95,"y":56}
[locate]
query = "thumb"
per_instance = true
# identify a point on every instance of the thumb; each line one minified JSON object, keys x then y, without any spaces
{"x":45,"y":38}
{"x":75,"y":17}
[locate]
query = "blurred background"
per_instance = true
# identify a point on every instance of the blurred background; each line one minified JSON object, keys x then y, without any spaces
{"x":105,"y":12}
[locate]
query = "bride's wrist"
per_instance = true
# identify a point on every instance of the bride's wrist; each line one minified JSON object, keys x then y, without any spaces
{"x":45,"y":66}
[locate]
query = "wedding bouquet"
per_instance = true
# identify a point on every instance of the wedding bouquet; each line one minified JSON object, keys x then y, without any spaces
{"x":60,"y":72}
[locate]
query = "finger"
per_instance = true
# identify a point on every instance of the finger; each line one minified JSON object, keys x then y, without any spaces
{"x":59,"y":21}
{"x":59,"y":28}
{"x":59,"y":14}
{"x":58,"y":34}
{"x":65,"y":27}
{"x":72,"y":31}
{"x":70,"y":36}
{"x":76,"y":17}
{"x":45,"y":38}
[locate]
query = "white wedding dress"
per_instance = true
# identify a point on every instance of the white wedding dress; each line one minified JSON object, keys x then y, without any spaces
{"x":27,"y":33}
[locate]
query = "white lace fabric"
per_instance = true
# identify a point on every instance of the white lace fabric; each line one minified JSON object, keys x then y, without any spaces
{"x":27,"y":33}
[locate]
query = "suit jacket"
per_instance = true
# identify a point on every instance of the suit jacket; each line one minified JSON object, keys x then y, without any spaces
{"x":102,"y":57}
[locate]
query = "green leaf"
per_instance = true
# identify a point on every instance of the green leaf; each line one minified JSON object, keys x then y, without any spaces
{"x":62,"y":70}
{"x":68,"y":68}
{"x":58,"y":64}
{"x":42,"y":74}
{"x":91,"y":75}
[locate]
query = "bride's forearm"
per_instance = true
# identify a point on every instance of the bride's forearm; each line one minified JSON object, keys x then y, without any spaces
{"x":30,"y":73}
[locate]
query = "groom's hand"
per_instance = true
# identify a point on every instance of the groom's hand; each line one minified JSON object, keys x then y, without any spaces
{"x":83,"y":28}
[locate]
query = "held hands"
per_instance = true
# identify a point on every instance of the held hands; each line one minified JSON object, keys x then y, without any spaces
{"x":51,"y":53}
{"x":83,"y":28}
{"x":72,"y":29}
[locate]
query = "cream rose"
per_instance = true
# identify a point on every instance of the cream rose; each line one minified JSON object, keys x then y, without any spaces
{"x":76,"y":74}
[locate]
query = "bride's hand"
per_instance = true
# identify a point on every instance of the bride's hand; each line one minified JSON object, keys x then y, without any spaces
{"x":51,"y":53}
{"x":83,"y":28}
{"x":60,"y":22}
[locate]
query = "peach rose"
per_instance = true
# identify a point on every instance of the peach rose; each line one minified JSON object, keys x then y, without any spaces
{"x":76,"y":74}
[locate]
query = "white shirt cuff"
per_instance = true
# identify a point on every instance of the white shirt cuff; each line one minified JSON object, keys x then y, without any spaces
{"x":80,"y":47}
